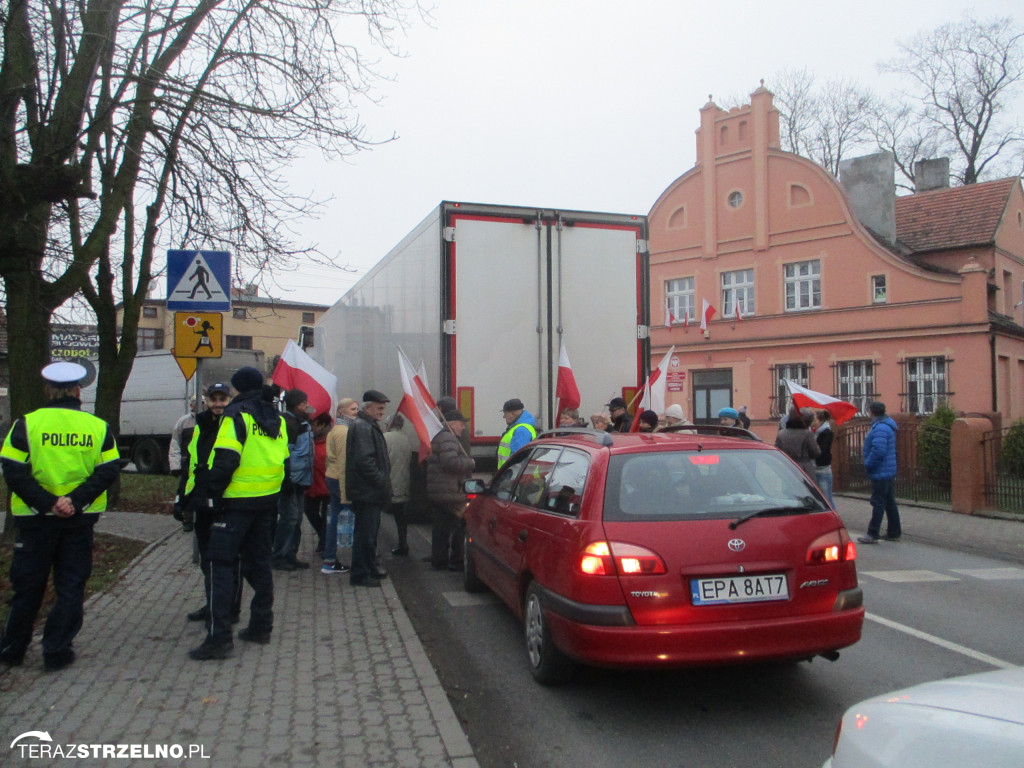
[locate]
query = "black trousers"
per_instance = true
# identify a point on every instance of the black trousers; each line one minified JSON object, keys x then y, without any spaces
{"x":67,"y":552}
{"x":246,"y":533}
{"x":364,"y":540}
{"x":446,"y":535}
{"x":203,"y":521}
{"x":315,"y":508}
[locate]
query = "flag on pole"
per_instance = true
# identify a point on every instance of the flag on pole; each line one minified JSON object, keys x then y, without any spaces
{"x":297,"y":370}
{"x":706,"y":314}
{"x":839,"y":410}
{"x":653,"y":398}
{"x":670,"y":318}
{"x":566,"y":391}
{"x":422,"y":373}
{"x":418,"y":406}
{"x":739,"y":312}
{"x":686,"y":318}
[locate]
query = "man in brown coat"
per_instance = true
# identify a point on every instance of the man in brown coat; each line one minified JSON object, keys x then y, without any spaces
{"x":447,"y":466}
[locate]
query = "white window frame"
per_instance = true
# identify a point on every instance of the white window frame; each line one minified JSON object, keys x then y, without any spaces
{"x":738,"y":293}
{"x":679,"y":293}
{"x":798,"y":372}
{"x":927,"y":383}
{"x":879,"y":296}
{"x":855,"y":383}
{"x":802,"y":281}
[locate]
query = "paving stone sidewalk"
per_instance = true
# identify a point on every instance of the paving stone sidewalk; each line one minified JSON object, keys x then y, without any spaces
{"x":344,"y":682}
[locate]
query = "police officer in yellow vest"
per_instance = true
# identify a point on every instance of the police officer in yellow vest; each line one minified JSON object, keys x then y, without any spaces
{"x":250,"y":457}
{"x":522,"y":428}
{"x":58,"y":463}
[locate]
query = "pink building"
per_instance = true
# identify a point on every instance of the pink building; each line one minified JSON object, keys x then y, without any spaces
{"x":845,"y":289}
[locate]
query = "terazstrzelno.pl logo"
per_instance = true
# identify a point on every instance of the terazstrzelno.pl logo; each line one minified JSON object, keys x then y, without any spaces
{"x":38,"y":745}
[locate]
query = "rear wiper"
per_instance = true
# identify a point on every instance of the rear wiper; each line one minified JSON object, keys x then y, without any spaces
{"x":808,"y":506}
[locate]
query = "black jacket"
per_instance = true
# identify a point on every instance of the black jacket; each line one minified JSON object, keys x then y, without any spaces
{"x":367,"y":466}
{"x":208,"y":425}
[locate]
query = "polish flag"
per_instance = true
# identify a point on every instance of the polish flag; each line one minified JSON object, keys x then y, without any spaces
{"x":686,"y":319}
{"x":418,"y":406}
{"x":739,"y":312}
{"x":706,"y":314}
{"x":840,"y":410}
{"x":566,"y":391}
{"x":653,"y":398}
{"x":670,"y":319}
{"x":422,"y":373}
{"x":297,"y":370}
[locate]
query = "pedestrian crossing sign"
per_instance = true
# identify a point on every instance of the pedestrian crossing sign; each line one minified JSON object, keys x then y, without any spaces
{"x":198,"y":334}
{"x":198,"y":280}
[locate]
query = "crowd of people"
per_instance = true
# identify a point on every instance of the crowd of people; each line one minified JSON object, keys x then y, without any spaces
{"x":250,"y":471}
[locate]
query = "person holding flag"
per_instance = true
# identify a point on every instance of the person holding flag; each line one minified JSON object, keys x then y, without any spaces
{"x":447,"y":466}
{"x":655,"y":387}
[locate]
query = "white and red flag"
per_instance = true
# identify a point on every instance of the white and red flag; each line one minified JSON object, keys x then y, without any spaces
{"x":670,"y":318}
{"x":297,"y":370}
{"x":418,"y":406}
{"x":653,"y":398}
{"x":706,"y":314}
{"x":839,"y":410}
{"x":566,"y":391}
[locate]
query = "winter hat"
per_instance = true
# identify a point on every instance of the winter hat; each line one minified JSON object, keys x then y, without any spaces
{"x":675,"y":411}
{"x":728,"y":413}
{"x":247,"y":379}
{"x":649,"y":418}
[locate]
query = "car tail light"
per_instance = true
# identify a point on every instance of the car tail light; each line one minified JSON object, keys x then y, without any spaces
{"x":835,"y":547}
{"x":607,"y":558}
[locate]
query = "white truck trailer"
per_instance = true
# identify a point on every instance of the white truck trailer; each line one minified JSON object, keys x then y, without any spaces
{"x":157,"y":395}
{"x":484,"y":295}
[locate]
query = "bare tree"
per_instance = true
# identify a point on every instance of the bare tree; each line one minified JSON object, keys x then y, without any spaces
{"x":795,"y":100}
{"x":965,"y":74}
{"x":897,"y":128}
{"x":128,"y":126}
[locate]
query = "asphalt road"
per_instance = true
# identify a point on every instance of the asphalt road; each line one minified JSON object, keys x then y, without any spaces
{"x":932,"y":613}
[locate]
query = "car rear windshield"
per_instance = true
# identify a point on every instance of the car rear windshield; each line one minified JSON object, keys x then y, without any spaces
{"x":687,"y":485}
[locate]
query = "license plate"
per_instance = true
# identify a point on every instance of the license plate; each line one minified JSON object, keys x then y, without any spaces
{"x":739,"y":589}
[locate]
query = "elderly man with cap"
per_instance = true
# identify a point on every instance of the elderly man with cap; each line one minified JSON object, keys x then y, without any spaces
{"x":250,"y":459}
{"x":447,"y":466}
{"x":192,"y":493}
{"x":621,"y":420}
{"x":368,"y":486}
{"x":521,"y":429}
{"x":58,"y":463}
{"x":290,"y":503}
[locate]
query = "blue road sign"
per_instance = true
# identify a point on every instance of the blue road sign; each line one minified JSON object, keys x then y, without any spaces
{"x":198,"y":281}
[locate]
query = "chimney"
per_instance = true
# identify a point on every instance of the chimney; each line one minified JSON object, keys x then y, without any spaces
{"x":870,"y":185}
{"x":931,"y":174}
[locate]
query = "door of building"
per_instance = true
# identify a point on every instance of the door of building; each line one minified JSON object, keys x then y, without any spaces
{"x":712,"y":391}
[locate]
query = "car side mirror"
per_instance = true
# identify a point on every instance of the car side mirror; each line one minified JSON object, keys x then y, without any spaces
{"x":474,"y":486}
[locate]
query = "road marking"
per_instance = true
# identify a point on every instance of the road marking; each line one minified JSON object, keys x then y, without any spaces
{"x":465,"y":599}
{"x":991,"y":574}
{"x":908,"y":576}
{"x":950,"y":646}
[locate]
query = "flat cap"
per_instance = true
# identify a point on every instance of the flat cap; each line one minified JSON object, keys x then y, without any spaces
{"x":373,"y":396}
{"x":515,"y":404}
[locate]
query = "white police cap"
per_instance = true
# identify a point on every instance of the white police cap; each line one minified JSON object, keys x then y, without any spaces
{"x":64,"y":374}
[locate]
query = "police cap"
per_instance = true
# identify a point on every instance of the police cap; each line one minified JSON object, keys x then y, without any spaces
{"x":64,"y":374}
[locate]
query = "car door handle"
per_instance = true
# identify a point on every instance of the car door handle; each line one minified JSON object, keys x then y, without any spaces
{"x":523,"y":535}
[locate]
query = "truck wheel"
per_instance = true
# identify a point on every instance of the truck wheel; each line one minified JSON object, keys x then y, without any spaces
{"x":470,"y":581}
{"x":548,"y":665}
{"x":148,"y":457}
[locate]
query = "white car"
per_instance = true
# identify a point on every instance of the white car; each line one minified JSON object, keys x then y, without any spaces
{"x":975,"y":721}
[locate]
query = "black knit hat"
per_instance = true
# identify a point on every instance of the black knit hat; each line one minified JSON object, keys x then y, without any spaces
{"x":294,"y":397}
{"x":247,"y":379}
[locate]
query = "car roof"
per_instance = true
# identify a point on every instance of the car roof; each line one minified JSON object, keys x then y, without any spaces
{"x":705,"y":438}
{"x":998,"y":695}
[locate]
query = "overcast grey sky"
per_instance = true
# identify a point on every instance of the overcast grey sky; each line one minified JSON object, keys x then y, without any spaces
{"x":575,"y":104}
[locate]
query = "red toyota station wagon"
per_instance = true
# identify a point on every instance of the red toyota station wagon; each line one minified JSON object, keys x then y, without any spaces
{"x":701,"y":546}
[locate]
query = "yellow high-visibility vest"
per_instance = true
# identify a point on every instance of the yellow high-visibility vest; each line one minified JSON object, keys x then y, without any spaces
{"x":505,"y":444}
{"x":260,"y":469}
{"x":64,"y":448}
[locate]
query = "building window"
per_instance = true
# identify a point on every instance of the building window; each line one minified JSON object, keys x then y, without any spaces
{"x":797,"y":372}
{"x":150,"y":338}
{"x":238,"y":313}
{"x":308,"y":317}
{"x":803,"y":285}
{"x":879,"y":295}
{"x":735,"y":199}
{"x":679,"y":296}
{"x":738,"y":293}
{"x":855,"y":383}
{"x":149,"y":311}
{"x":925,"y":383}
{"x":238,"y":342}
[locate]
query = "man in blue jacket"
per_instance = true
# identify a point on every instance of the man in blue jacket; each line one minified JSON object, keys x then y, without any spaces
{"x":880,"y":464}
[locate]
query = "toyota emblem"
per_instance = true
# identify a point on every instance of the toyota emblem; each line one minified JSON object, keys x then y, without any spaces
{"x":737,"y":545}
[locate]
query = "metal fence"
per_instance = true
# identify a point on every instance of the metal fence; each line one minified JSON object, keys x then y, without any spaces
{"x":923,"y":465}
{"x":1004,"y":469}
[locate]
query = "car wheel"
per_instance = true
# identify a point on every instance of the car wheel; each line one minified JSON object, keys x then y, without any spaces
{"x":470,"y":581}
{"x":148,"y":457}
{"x":548,"y":665}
